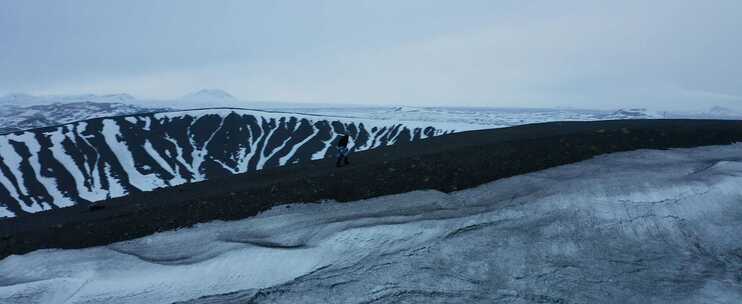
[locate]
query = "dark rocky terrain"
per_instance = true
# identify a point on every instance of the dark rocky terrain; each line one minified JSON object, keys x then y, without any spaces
{"x":445,"y":163}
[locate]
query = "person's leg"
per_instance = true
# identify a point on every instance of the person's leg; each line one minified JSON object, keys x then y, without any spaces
{"x":338,"y":158}
{"x":342,"y":156}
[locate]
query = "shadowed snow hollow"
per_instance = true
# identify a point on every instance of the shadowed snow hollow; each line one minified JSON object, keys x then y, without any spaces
{"x":635,"y":227}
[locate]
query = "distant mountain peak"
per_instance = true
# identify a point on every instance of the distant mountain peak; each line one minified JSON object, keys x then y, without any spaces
{"x":120,"y":97}
{"x":719,"y":110}
{"x":209,"y":94}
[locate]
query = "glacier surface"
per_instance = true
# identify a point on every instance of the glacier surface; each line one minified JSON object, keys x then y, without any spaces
{"x":645,"y":226}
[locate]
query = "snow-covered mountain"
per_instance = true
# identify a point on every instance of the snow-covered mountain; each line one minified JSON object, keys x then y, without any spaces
{"x":636,"y":227}
{"x":207,"y":98}
{"x":64,"y":110}
{"x":718,"y":110}
{"x":26,"y":99}
{"x":723,"y":112}
{"x":92,"y":160}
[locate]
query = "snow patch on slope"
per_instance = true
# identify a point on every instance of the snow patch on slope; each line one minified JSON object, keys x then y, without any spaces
{"x":93,"y":192}
{"x":144,"y":182}
{"x":47,"y":182}
{"x":4,"y":212}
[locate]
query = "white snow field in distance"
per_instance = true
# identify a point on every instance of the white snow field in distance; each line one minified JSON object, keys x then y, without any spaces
{"x":646,"y":226}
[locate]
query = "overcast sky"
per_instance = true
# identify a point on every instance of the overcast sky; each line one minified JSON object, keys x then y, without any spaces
{"x":663,"y":54}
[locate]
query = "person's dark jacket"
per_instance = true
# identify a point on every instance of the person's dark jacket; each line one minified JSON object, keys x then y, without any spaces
{"x":343,"y":141}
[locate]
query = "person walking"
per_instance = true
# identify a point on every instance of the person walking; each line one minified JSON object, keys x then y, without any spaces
{"x":342,"y":147}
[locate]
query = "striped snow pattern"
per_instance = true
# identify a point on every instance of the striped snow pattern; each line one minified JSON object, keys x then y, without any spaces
{"x":103,"y":158}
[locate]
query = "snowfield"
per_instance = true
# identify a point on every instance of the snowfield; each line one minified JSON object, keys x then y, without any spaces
{"x":635,"y":227}
{"x":487,"y":117}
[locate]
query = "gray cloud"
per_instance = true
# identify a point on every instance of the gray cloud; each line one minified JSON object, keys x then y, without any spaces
{"x":665,"y":54}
